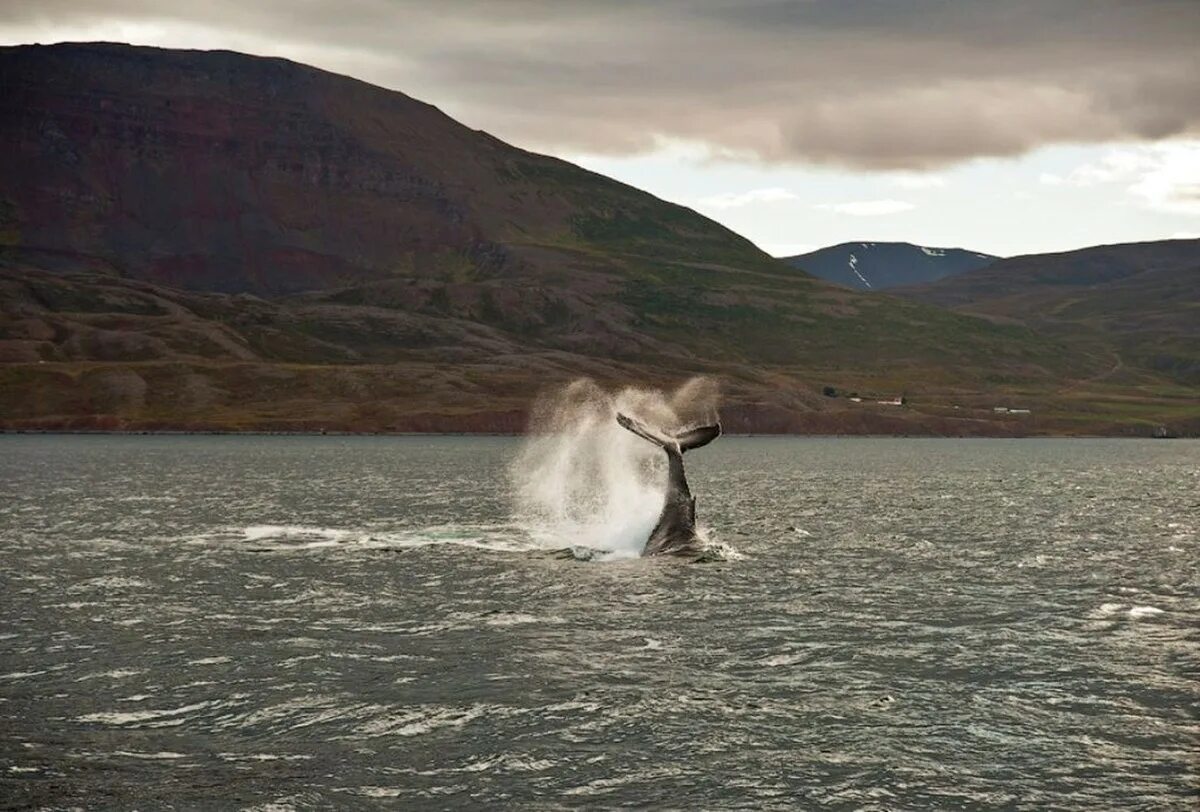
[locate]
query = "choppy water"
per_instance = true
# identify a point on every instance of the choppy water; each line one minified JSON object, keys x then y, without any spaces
{"x":354,"y":622}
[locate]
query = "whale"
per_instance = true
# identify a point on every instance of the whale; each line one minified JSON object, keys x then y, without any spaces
{"x":675,"y":532}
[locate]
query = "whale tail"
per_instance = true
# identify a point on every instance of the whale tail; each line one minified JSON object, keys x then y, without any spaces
{"x":697,"y":437}
{"x":683,"y":441}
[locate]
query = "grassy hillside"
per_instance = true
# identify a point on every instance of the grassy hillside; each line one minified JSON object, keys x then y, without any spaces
{"x":1139,"y":303}
{"x":211,"y":240}
{"x":97,"y":352}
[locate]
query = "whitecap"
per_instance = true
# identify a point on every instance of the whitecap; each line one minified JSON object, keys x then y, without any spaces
{"x":1144,"y":611}
{"x":110,"y":582}
{"x":163,"y":718}
{"x":517,"y":619}
{"x":262,"y":757}
{"x":783,"y":660}
{"x":292,"y":537}
{"x":258,"y":532}
{"x":378,"y":792}
{"x":416,"y":723}
{"x":165,"y":755}
{"x":118,"y":673}
{"x":209,"y":661}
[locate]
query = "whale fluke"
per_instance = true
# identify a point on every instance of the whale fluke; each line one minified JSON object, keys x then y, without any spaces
{"x":675,"y":533}
{"x":645,"y":432}
{"x":683,"y":441}
{"x":697,"y":437}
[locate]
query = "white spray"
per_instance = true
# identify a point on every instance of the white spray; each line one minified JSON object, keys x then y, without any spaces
{"x":583,"y":481}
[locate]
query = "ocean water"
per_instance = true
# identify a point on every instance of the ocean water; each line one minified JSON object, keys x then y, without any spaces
{"x":300,"y":622}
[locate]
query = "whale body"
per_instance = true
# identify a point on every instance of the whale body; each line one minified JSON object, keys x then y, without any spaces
{"x":675,"y":532}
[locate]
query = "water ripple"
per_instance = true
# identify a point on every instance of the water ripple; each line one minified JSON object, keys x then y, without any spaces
{"x":278,"y":623}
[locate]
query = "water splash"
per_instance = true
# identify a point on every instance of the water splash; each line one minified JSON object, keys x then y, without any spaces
{"x":583,"y":481}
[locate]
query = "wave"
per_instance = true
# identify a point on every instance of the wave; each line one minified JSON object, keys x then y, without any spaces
{"x":499,"y":538}
{"x":299,"y":537}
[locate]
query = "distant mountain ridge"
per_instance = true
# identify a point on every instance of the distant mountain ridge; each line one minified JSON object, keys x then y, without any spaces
{"x":884,"y":265}
{"x":1140,"y":300}
{"x":1007,"y":284}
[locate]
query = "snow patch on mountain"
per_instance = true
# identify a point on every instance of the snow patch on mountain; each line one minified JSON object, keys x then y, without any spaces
{"x":854,"y":267}
{"x":882,"y":265}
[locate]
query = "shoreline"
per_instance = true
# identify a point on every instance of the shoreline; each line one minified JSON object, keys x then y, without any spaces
{"x":789,"y":435}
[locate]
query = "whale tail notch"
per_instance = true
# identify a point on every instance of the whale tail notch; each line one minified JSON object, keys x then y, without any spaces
{"x":683,"y":441}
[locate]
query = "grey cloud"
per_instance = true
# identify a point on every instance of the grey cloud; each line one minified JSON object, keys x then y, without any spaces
{"x":865,"y":83}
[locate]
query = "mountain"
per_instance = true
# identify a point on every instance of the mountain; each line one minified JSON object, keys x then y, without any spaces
{"x":1038,"y":283}
{"x":1136,"y":303}
{"x":210,"y":240}
{"x":223,"y":172}
{"x":883,"y":265}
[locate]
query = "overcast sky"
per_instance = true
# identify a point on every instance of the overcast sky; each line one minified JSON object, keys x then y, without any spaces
{"x":1005,"y":126}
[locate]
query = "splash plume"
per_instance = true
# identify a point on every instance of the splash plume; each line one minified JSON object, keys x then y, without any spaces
{"x":582,"y":480}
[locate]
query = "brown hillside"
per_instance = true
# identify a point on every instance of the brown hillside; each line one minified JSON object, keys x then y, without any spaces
{"x":209,"y":239}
